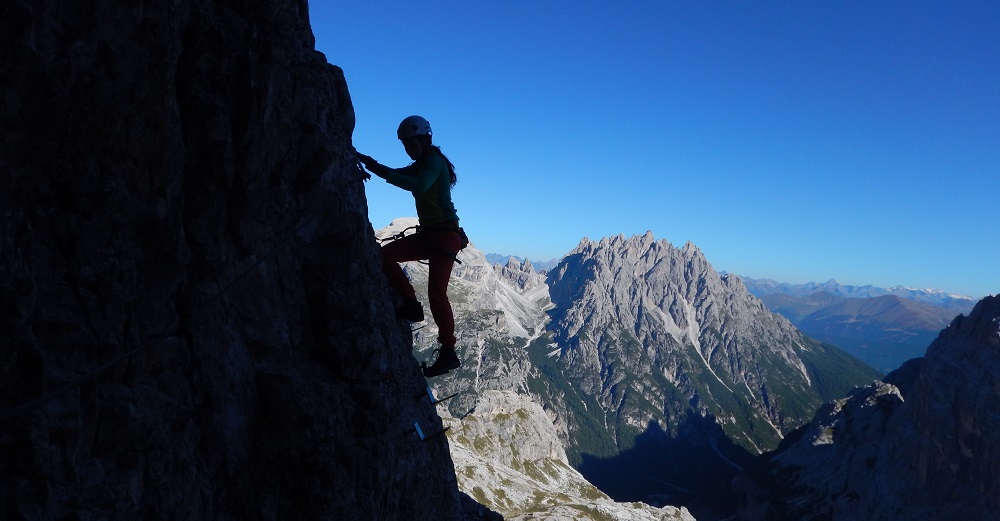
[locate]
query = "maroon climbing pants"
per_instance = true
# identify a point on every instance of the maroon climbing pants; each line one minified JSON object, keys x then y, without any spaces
{"x":438,"y":246}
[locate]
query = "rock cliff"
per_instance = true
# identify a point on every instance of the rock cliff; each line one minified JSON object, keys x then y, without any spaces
{"x":922,"y":444}
{"x":194,"y":323}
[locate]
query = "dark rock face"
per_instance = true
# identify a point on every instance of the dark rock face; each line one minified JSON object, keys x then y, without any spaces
{"x":921,"y":445}
{"x":194,"y":324}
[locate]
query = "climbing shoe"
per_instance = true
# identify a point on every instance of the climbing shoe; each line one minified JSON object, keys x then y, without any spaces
{"x":447,"y":360}
{"x":411,"y":310}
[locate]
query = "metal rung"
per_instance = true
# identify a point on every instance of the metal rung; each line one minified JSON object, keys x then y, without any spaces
{"x":424,"y":437}
{"x":435,"y":401}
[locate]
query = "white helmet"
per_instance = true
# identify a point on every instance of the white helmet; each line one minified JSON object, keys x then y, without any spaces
{"x":413,"y":126}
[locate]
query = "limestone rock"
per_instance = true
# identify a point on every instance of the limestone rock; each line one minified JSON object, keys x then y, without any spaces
{"x":640,"y":321}
{"x":508,"y":456}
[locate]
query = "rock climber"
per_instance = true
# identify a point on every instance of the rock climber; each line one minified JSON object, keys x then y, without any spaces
{"x":430,"y":179}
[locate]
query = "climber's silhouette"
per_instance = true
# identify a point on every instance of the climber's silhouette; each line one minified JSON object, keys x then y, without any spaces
{"x":438,"y":239}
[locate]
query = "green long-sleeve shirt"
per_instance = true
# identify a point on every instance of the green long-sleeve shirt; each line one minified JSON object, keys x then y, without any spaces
{"x":429,"y":180}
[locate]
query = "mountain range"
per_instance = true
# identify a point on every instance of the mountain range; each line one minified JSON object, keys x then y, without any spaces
{"x":501,"y":259}
{"x":661,"y":376}
{"x":934,"y":297}
{"x":882,"y":327}
{"x":866,"y":453}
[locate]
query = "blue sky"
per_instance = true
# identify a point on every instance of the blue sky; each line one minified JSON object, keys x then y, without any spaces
{"x":798,"y":141}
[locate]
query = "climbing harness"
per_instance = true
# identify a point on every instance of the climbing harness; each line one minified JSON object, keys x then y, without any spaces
{"x":424,"y":229}
{"x":400,"y":235}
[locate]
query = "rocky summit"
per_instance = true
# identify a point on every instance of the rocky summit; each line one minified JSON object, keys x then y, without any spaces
{"x":922,"y":444}
{"x":194,"y":321}
{"x":691,"y":374}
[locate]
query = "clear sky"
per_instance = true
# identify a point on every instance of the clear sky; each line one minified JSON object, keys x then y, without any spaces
{"x":799,"y":141}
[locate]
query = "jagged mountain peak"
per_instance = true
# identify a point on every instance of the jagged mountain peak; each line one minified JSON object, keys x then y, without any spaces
{"x":920,"y":445}
{"x":638,"y":306}
{"x":982,"y":325}
{"x":638,"y":242}
{"x":664,"y":347}
{"x":641,"y":273}
{"x":536,"y":265}
{"x":524,"y":266}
